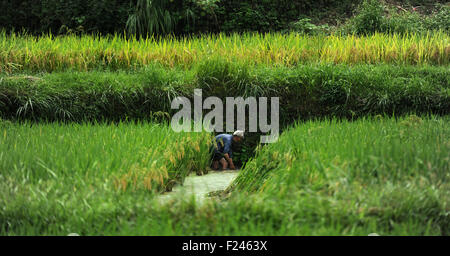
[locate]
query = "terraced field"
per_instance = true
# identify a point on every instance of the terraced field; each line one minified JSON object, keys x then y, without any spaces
{"x":86,"y":147}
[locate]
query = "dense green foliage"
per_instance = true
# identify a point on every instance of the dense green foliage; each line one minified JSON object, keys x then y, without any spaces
{"x":55,"y":179}
{"x":372,"y":16}
{"x":305,"y":91}
{"x":264,"y":16}
{"x":189,"y":16}
{"x":197,"y":16}
{"x":43,"y":16}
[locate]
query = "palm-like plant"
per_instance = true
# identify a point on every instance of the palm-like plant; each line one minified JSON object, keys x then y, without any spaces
{"x":151,"y":17}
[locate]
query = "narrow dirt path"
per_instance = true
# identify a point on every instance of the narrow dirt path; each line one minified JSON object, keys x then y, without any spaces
{"x":200,"y":186}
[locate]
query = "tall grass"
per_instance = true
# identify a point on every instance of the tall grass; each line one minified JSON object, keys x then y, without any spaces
{"x":382,"y":169}
{"x":370,"y":151}
{"x":305,"y":91}
{"x":83,"y":53}
{"x":151,"y":17}
{"x":123,"y":156}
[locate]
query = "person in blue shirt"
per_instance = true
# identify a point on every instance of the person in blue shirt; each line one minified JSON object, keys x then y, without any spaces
{"x":222,"y":152}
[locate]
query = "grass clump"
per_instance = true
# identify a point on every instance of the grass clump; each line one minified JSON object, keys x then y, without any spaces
{"x":387,"y":171}
{"x":305,"y":91}
{"x":141,"y":156}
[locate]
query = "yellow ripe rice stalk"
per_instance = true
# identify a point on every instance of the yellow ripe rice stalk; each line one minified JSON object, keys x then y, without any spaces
{"x":88,"y":52}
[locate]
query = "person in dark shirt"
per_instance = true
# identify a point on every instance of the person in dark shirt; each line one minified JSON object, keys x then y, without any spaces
{"x":223,"y":152}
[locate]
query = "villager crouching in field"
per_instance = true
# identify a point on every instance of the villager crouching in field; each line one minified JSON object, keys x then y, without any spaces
{"x":222,"y":151}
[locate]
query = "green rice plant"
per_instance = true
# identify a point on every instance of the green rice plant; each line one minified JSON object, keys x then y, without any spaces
{"x":89,"y":52}
{"x":379,"y":168}
{"x":122,"y":156}
{"x":322,"y":155}
{"x":377,"y":175}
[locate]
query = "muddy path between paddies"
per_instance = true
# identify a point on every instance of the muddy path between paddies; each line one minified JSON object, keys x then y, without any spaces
{"x":200,"y":186}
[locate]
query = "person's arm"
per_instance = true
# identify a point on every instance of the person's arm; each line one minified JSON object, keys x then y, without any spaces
{"x":230,"y":161}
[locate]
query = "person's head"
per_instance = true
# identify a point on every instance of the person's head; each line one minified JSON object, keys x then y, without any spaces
{"x":238,"y":136}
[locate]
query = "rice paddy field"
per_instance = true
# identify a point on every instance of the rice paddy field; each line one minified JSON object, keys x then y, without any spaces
{"x":58,"y":179}
{"x":83,"y":53}
{"x":85,"y":146}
